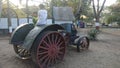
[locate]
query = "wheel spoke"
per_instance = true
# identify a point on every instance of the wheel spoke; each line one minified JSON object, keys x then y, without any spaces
{"x":42,"y":53}
{"x":60,"y":44}
{"x":52,"y":61}
{"x":52,"y":38}
{"x":45,"y":56}
{"x":55,"y":58}
{"x":46,"y":43}
{"x":25,"y":52}
{"x":49,"y":62}
{"x":21,"y":52}
{"x":56,"y":38}
{"x":83,"y":44}
{"x":58,"y":41}
{"x":49,"y":40}
{"x":46,"y":60}
{"x":86,"y":43}
{"x":43,"y":47}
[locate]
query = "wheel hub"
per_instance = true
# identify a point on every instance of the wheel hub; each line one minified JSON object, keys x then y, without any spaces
{"x":53,"y":50}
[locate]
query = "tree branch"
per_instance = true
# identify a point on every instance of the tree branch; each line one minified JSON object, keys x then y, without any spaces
{"x":0,"y":7}
{"x":94,"y":9}
{"x":98,"y":6}
{"x":102,"y":6}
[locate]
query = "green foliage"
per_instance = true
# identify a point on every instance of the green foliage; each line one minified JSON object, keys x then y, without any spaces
{"x":114,"y":15}
{"x":80,"y":7}
{"x":92,"y":34}
{"x":110,"y":19}
{"x":90,"y":16}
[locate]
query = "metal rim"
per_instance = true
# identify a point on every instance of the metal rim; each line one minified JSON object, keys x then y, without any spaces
{"x":21,"y":53}
{"x":84,"y":43}
{"x":50,"y":49}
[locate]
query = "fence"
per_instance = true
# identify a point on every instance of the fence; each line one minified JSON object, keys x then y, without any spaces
{"x":14,"y":23}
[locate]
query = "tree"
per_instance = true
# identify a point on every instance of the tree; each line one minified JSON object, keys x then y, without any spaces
{"x":0,"y":7}
{"x":118,"y":1}
{"x":8,"y":13}
{"x":97,"y":9}
{"x":83,"y":8}
{"x":27,"y":9}
{"x":115,"y":13}
{"x":79,"y":6}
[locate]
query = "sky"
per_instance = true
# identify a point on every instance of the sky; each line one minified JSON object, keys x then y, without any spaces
{"x":34,"y":2}
{"x":37,"y":2}
{"x":109,"y":2}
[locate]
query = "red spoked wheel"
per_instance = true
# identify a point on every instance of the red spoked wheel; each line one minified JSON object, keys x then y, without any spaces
{"x":84,"y":43}
{"x":50,"y":49}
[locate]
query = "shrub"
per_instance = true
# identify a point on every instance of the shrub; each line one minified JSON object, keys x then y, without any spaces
{"x":92,"y":34}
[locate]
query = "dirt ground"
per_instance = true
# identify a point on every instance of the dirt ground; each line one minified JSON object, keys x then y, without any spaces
{"x":104,"y":53}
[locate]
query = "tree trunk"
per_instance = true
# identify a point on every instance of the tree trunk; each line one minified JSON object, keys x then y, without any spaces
{"x":8,"y":13}
{"x":78,"y":12}
{"x":0,"y":7}
{"x":97,"y":18}
{"x":27,"y":10}
{"x":9,"y":18}
{"x":97,"y":10}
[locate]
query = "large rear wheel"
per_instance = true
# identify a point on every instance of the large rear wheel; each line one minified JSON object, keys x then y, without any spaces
{"x":48,"y":49}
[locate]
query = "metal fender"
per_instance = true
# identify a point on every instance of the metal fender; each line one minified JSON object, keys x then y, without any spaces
{"x":33,"y":34}
{"x":20,"y":33}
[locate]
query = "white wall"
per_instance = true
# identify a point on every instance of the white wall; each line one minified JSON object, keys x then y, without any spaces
{"x":3,"y":23}
{"x":22,"y":21}
{"x":14,"y":23}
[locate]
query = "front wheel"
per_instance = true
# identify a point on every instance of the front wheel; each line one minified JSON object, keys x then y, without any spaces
{"x":84,"y":43}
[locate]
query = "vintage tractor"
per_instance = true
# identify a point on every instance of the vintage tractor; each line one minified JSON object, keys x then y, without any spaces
{"x":46,"y":44}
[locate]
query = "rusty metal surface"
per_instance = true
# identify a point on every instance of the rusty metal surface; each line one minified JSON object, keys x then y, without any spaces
{"x":31,"y":37}
{"x":20,"y":33}
{"x":63,"y":14}
{"x":29,"y":40}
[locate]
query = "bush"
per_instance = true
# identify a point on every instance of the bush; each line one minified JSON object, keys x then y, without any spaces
{"x":92,"y":34}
